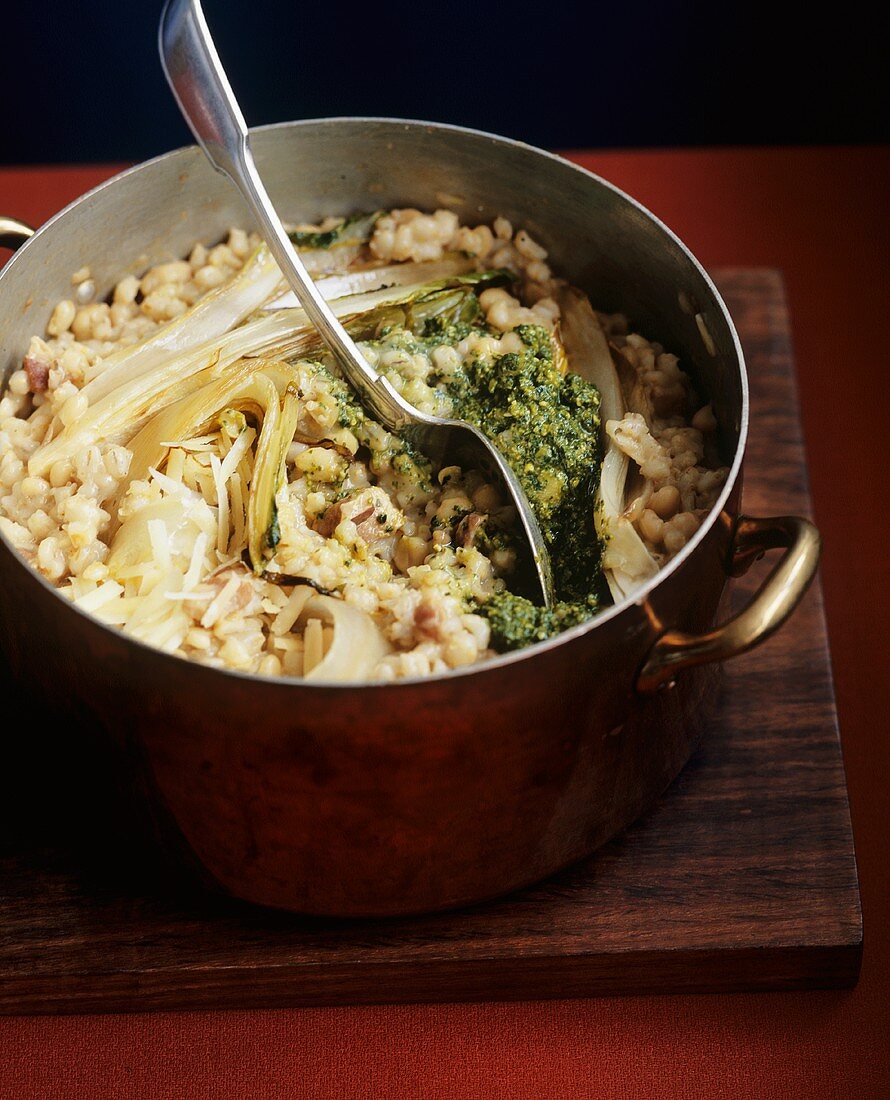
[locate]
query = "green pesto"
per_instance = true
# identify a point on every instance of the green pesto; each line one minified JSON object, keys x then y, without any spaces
{"x":516,"y":622}
{"x":547,"y":426}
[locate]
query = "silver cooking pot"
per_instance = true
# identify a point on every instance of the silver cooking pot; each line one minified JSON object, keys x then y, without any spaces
{"x":422,"y":794}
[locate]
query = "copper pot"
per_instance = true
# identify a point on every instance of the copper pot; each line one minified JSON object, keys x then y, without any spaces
{"x":424,"y":794}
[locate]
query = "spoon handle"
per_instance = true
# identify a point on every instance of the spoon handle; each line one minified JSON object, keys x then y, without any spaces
{"x":205,"y":97}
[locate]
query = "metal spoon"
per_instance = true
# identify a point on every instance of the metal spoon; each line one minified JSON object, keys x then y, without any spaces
{"x":202,"y":90}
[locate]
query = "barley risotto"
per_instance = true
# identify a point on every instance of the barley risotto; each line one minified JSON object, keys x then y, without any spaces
{"x":184,"y":462}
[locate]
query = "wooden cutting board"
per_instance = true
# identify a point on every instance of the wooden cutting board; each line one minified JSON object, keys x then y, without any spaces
{"x":742,"y":877}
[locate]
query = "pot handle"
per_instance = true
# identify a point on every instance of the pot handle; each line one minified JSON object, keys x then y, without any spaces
{"x":770,"y":606}
{"x":13,"y":233}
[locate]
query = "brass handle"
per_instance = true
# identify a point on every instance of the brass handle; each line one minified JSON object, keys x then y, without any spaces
{"x":771,"y":605}
{"x":13,"y":233}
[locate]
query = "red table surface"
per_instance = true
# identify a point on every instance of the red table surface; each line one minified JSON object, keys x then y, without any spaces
{"x":819,"y":215}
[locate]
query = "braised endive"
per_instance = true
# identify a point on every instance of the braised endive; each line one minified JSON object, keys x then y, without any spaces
{"x":262,"y":389}
{"x":141,"y":381}
{"x":627,"y":563}
{"x":324,"y":250}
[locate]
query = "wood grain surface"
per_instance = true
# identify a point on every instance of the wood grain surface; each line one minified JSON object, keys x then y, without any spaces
{"x":743,"y":876}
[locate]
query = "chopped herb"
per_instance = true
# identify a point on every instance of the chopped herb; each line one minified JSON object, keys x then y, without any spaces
{"x":273,"y":532}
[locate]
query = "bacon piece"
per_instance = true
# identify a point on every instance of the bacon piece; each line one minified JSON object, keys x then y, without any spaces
{"x":468,"y":528}
{"x":37,"y":372}
{"x":362,"y":516}
{"x":364,"y":509}
{"x":428,"y":619}
{"x":327,"y":524}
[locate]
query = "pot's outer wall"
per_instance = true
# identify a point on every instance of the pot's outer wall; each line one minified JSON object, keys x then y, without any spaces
{"x":413,"y":796}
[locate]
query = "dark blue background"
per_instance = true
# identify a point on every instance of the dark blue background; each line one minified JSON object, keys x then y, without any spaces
{"x":81,"y":80}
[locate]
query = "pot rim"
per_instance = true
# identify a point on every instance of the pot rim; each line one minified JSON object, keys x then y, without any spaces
{"x":638,"y":598}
